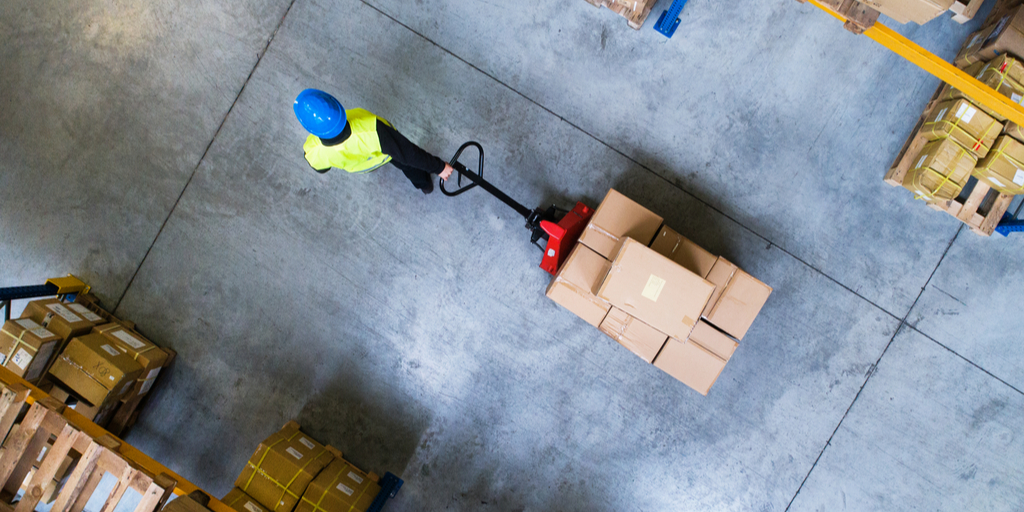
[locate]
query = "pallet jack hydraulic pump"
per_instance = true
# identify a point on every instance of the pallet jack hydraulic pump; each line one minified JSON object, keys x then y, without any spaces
{"x":560,"y":228}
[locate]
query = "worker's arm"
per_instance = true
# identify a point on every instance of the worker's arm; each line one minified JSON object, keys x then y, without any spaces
{"x":321,"y":171}
{"x":403,"y":151}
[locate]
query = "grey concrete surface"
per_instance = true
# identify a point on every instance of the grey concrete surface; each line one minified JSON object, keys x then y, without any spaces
{"x":412,"y":332}
{"x":930,"y":431}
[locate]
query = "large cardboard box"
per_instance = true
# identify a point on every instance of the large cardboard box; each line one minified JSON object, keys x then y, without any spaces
{"x":145,"y":352}
{"x":282,"y":467}
{"x":93,"y":368}
{"x":574,"y":285}
{"x":339,"y":488}
{"x":26,"y":347}
{"x":656,"y":290}
{"x":1006,"y":35}
{"x":906,"y":11}
{"x":617,"y":218}
{"x":690,"y":364}
{"x":995,"y":74}
{"x":58,"y":318}
{"x":640,"y":338}
{"x":737,"y":300}
{"x":242,"y":502}
{"x":1003,"y":168}
{"x":681,"y":250}
{"x":961,"y":121}
{"x":940,"y":171}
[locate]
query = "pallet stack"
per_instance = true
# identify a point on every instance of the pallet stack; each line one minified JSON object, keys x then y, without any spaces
{"x":635,"y":11}
{"x":658,"y":294}
{"x":91,"y":361}
{"x":290,"y":471}
{"x":961,"y":157}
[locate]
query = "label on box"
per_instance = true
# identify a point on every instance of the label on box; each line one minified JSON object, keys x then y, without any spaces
{"x":345,"y":489}
{"x":307,"y":443}
{"x":293,"y":452}
{"x":42,"y":333}
{"x":146,"y":386}
{"x":942,"y":113}
{"x":252,"y":507}
{"x":153,"y":373}
{"x":84,"y":311}
{"x":21,"y":358}
{"x":653,"y":288}
{"x":110,"y":350}
{"x":921,"y":161}
{"x":128,"y":339}
{"x":28,"y":324}
{"x":358,"y":479}
{"x":64,"y":313}
{"x":3,"y":359}
{"x":995,"y":181}
{"x":1017,"y":98}
{"x":1018,"y":178}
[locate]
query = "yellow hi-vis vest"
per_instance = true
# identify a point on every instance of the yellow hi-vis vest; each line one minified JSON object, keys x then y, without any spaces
{"x":359,"y":153}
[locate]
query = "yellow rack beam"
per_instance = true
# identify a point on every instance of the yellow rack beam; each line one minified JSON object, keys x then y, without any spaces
{"x":981,"y":93}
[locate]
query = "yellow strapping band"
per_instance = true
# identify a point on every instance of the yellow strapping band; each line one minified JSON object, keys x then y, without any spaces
{"x":17,"y":343}
{"x":316,"y":506}
{"x":945,"y":178}
{"x":1000,"y":153}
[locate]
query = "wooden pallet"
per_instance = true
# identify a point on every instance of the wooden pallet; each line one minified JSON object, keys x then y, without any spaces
{"x":859,"y":17}
{"x":635,"y":11}
{"x":978,"y":205}
{"x":95,"y":457}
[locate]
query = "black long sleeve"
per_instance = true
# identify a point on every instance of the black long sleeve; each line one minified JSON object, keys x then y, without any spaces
{"x":404,"y":152}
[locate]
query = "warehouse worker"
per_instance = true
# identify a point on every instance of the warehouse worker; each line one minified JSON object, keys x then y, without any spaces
{"x":357,"y":141}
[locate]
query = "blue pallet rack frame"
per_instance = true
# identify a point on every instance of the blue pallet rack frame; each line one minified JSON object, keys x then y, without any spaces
{"x":1011,"y":223}
{"x":389,"y":486}
{"x":668,"y":22}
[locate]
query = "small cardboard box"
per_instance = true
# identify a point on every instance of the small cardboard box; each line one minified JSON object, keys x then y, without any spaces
{"x":339,"y":488}
{"x":681,"y":250}
{"x":714,"y":340}
{"x":617,"y":218}
{"x":690,"y":364}
{"x":94,"y":369}
{"x":1006,"y":35}
{"x":146,"y":353}
{"x":656,"y":290}
{"x":737,"y":300}
{"x":98,"y":414}
{"x":26,"y":347}
{"x":242,"y":502}
{"x":285,"y":463}
{"x":966,"y":124}
{"x":1003,"y":168}
{"x":906,"y":11}
{"x":58,"y":318}
{"x":573,"y":287}
{"x":995,"y":74}
{"x":940,"y":171}
{"x":640,"y":338}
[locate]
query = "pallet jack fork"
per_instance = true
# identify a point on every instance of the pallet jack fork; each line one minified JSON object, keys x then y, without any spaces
{"x":559,"y":227}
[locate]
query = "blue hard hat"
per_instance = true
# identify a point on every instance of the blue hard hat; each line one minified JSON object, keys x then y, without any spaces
{"x":320,"y":113}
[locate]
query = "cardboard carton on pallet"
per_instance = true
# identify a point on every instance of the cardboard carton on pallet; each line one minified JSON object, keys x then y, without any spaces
{"x":284,"y":464}
{"x":26,"y":347}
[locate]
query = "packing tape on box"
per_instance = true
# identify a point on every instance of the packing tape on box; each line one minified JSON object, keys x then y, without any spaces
{"x":601,"y":231}
{"x":589,"y":296}
{"x":994,"y":156}
{"x":81,"y":369}
{"x":316,"y":506}
{"x":955,"y":125}
{"x":945,"y":180}
{"x":286,"y":488}
{"x":17,"y":343}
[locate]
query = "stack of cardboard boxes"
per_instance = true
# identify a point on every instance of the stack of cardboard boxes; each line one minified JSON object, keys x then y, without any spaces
{"x":656,"y":293}
{"x":967,"y":139}
{"x":906,"y":11}
{"x":291,"y":471}
{"x":91,"y":359}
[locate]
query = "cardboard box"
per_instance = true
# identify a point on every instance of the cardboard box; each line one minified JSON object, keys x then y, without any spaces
{"x":656,"y":290}
{"x":906,"y":11}
{"x":690,"y":364}
{"x":339,"y":488}
{"x":146,"y":353}
{"x":89,"y":302}
{"x":98,"y":414}
{"x":963,"y":122}
{"x":242,"y":502}
{"x":95,"y":370}
{"x":282,"y":467}
{"x":1006,"y":35}
{"x":1003,"y":168}
{"x":640,"y":338}
{"x":940,"y":171}
{"x":617,"y":218}
{"x":681,"y":250}
{"x":573,"y":287}
{"x":26,"y":347}
{"x":994,"y":74}
{"x":737,"y":300}
{"x":713,"y":340}
{"x":58,"y":318}
{"x":1014,"y":130}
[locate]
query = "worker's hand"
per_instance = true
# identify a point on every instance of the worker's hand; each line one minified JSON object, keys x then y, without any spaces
{"x":448,"y":170}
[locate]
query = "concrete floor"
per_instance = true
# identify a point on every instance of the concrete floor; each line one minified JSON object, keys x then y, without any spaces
{"x":149,"y":147}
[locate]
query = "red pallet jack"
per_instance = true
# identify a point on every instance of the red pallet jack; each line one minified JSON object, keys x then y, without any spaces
{"x":559,"y":227}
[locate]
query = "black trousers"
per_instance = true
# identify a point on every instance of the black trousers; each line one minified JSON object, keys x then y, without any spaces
{"x":420,"y":179}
